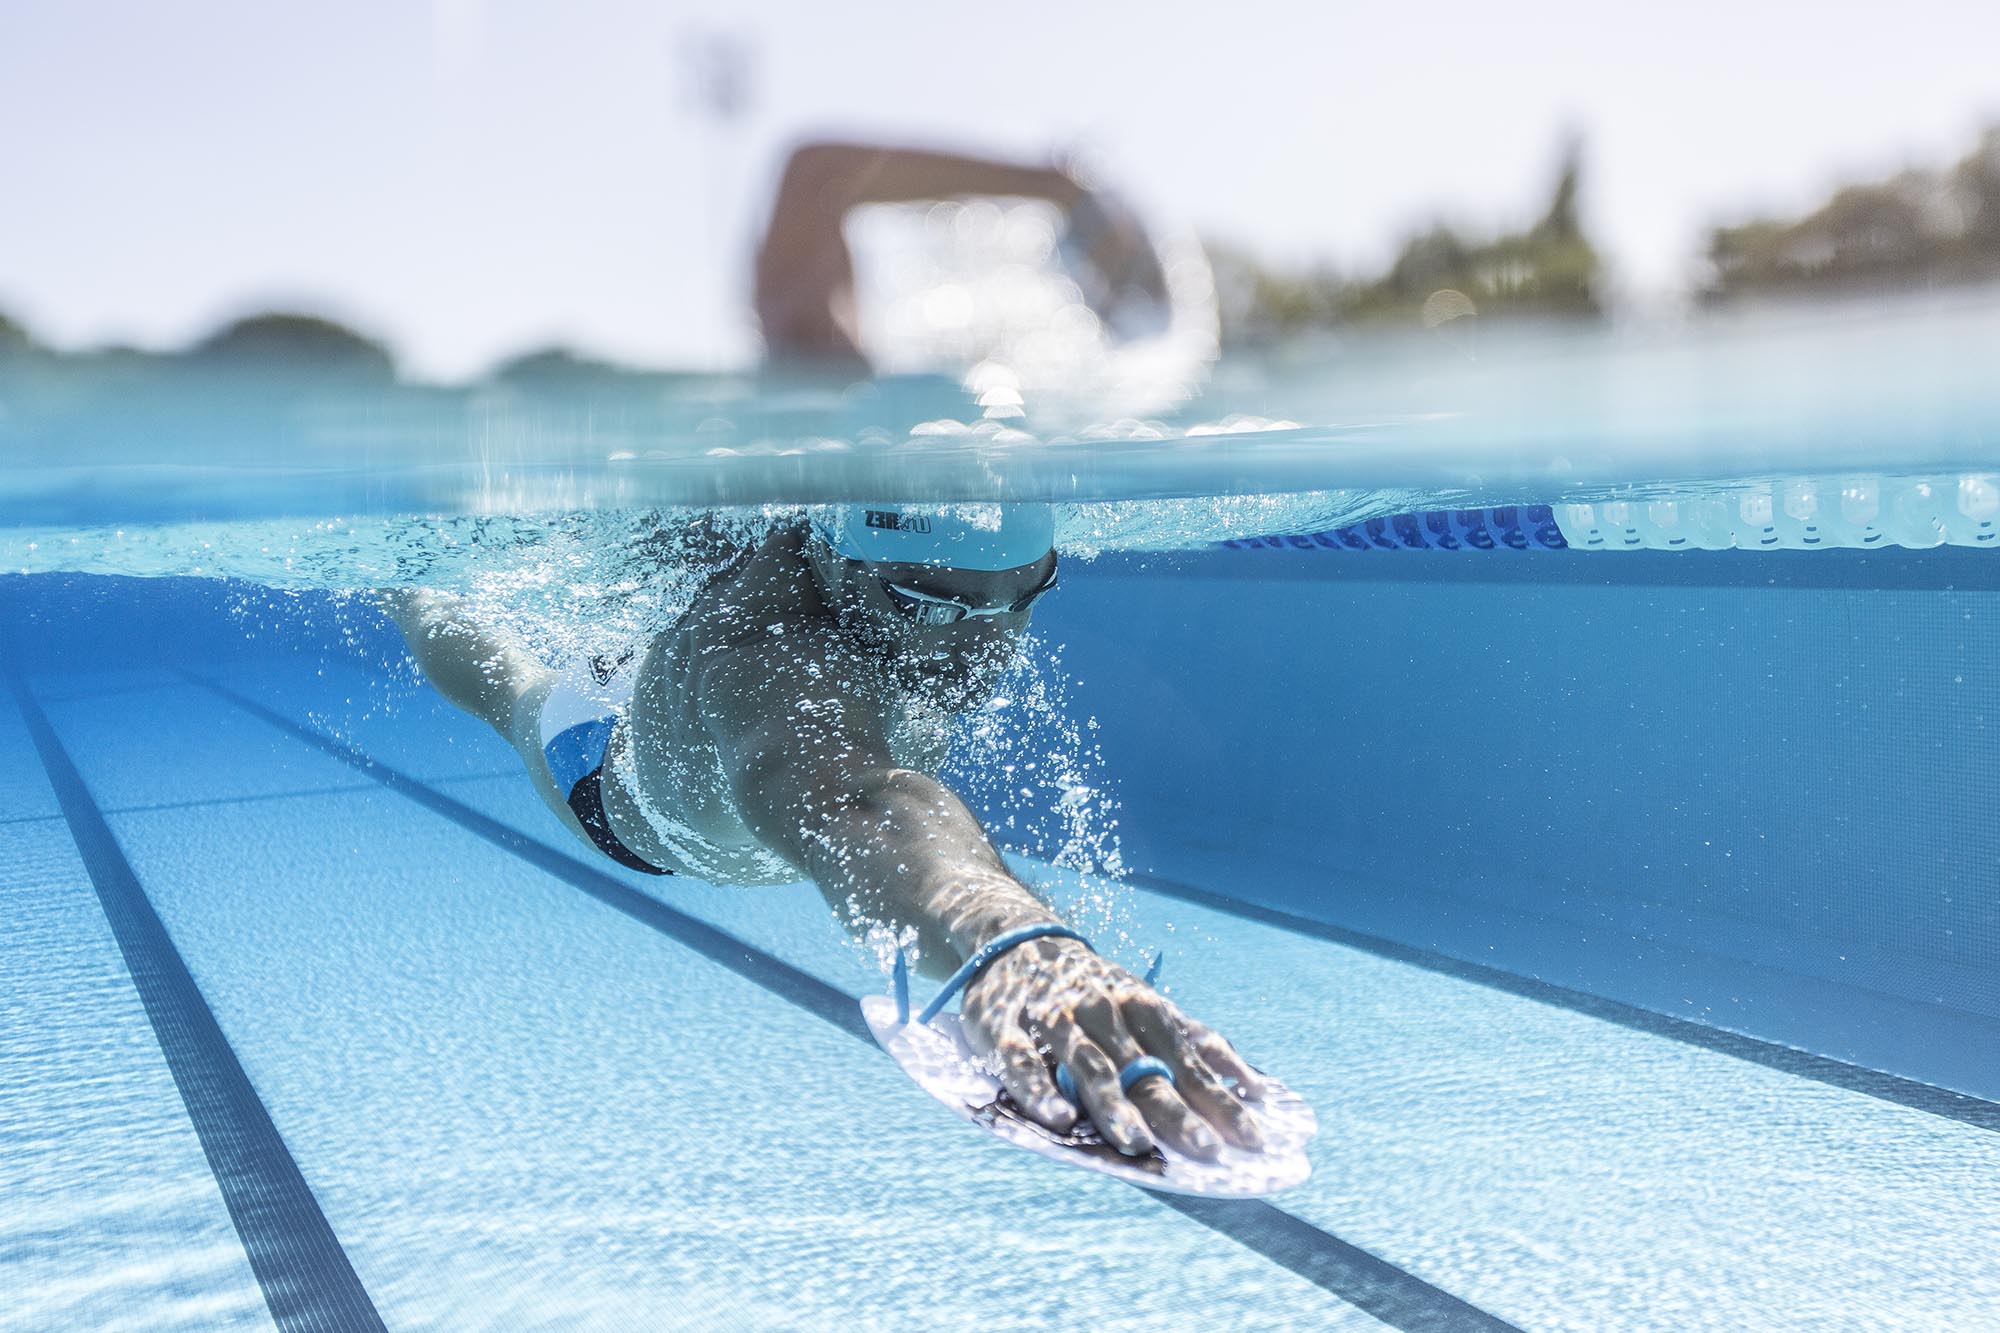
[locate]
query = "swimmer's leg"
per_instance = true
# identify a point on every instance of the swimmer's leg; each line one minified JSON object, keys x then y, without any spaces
{"x":485,"y":674}
{"x":499,"y":683}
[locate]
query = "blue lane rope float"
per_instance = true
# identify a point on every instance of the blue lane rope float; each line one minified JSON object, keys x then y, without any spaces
{"x":1803,"y":513}
{"x":1502,"y":528}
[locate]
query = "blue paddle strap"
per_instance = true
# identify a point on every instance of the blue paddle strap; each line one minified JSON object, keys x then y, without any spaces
{"x":1146,"y":1066}
{"x":974,"y":965}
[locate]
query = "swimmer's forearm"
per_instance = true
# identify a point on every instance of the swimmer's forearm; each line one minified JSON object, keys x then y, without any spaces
{"x":970,"y":908}
{"x":905,"y":849}
{"x":961,"y":911}
{"x":853,"y":174}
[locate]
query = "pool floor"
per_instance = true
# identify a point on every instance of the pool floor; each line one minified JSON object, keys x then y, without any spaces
{"x":394,"y":1047}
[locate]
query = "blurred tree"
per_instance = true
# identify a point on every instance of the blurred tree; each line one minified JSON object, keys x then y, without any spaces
{"x":563,"y":370}
{"x":552,"y":368}
{"x":15,"y":339}
{"x":1549,"y":270}
{"x":1916,"y":229}
{"x":294,"y":344}
{"x":1975,"y":188}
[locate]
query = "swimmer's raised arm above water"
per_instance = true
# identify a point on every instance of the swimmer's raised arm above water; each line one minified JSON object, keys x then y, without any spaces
{"x":792,"y":723}
{"x":804,"y":291}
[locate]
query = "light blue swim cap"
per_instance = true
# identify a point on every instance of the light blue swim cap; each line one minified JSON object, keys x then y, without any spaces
{"x":958,"y":536}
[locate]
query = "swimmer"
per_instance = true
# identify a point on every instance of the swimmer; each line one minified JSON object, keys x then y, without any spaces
{"x":804,"y":282}
{"x":792,"y":723}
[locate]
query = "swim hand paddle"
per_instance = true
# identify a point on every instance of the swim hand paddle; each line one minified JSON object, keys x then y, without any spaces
{"x":932,"y":1049}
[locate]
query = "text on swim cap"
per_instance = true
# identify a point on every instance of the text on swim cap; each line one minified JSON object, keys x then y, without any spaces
{"x":895,"y":522}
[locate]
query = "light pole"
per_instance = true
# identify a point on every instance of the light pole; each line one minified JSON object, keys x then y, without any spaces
{"x":716,"y":66}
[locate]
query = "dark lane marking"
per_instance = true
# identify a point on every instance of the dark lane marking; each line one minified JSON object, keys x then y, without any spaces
{"x":306,"y":1278}
{"x":1350,"y":1272}
{"x":1908,"y":1092}
{"x":1391,"y":1295}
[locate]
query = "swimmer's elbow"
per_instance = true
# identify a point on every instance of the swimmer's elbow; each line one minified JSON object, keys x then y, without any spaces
{"x":820,"y":159}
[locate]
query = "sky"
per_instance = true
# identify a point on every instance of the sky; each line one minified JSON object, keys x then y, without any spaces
{"x":472,"y":178}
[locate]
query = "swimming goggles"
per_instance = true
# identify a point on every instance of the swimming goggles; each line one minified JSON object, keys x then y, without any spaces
{"x":930,"y":609}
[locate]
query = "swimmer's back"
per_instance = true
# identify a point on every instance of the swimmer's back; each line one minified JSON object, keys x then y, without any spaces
{"x":747,"y":645}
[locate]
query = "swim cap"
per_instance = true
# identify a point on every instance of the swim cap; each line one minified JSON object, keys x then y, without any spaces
{"x":968,"y":536}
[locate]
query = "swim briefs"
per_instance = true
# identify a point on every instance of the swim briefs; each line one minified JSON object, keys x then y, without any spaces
{"x":576,"y":723}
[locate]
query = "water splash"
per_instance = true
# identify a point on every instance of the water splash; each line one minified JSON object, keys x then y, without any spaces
{"x":1035,"y":770}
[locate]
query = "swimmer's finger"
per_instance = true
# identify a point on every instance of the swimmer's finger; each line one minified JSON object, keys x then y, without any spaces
{"x":1025,"y":1075}
{"x":1165,"y":1113}
{"x":1222,"y":1057}
{"x":1196,"y":1081}
{"x":1160,"y":1101}
{"x":1096,"y":1080}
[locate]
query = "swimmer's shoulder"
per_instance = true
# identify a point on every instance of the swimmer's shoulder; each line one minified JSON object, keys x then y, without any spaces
{"x":753,"y":628}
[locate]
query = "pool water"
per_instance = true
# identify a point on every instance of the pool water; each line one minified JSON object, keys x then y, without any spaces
{"x":1628,"y":916}
{"x":517,"y":1084}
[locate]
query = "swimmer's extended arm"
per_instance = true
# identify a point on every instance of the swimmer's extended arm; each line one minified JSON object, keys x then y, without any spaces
{"x":815,"y":781}
{"x":831,"y":176}
{"x":805,"y":276}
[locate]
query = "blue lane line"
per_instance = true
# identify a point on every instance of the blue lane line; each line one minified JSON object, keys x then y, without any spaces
{"x":293,"y":794}
{"x":1917,"y":1096}
{"x":1374,"y":1285}
{"x":306,"y":1278}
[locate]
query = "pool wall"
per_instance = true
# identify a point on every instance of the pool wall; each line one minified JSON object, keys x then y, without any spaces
{"x":1755,"y":791}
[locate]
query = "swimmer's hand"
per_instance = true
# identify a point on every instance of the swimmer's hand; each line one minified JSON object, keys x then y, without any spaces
{"x":1053,"y":1000}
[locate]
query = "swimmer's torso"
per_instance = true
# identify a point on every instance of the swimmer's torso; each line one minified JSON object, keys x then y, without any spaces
{"x":763,"y":625}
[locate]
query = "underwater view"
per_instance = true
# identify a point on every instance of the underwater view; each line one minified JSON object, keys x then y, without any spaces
{"x":1607,"y":869}
{"x":1082,"y":772}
